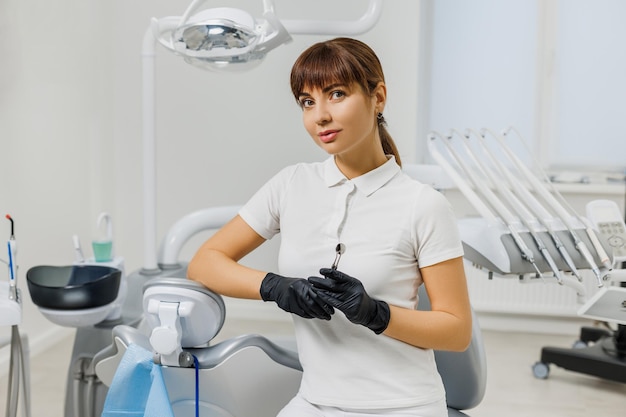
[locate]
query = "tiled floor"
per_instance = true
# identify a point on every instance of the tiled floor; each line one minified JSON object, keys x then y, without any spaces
{"x":512,"y":390}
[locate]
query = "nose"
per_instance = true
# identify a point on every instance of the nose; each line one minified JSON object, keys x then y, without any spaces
{"x":322,"y":115}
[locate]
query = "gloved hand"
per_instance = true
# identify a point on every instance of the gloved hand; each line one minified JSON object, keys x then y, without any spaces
{"x":295,"y":295}
{"x":347,"y":294}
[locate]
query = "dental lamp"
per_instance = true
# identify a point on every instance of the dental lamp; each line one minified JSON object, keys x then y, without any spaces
{"x":218,"y":39}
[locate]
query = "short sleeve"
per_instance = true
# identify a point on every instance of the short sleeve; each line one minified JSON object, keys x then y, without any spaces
{"x":437,"y":233}
{"x":262,"y":211}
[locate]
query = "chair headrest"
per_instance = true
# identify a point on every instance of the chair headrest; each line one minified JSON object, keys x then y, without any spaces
{"x":202,"y":312}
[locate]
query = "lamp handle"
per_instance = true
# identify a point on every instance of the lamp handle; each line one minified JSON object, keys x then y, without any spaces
{"x":164,"y":25}
{"x":339,"y":27}
{"x":195,"y":4}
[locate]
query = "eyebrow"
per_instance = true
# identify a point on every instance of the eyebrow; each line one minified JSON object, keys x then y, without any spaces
{"x":333,"y":86}
{"x":325,"y":90}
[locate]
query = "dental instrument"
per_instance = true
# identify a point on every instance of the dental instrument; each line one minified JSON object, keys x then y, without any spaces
{"x":492,"y":200}
{"x":514,"y":204}
{"x":539,"y":213}
{"x":339,"y":250}
{"x":460,"y":182}
{"x":12,"y":252}
{"x":604,"y":257}
{"x":477,"y":237}
{"x":554,"y":204}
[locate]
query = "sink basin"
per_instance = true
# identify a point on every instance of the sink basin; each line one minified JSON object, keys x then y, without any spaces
{"x":73,"y":287}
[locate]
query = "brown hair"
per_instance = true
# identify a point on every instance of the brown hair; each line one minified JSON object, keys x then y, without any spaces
{"x":346,"y":61}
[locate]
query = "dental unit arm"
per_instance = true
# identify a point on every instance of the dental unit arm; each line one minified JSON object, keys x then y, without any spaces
{"x":515,"y":204}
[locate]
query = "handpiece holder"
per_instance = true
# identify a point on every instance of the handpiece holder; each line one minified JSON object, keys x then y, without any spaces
{"x":10,"y":308}
{"x":609,"y":303}
{"x":12,"y":252}
{"x":10,"y":303}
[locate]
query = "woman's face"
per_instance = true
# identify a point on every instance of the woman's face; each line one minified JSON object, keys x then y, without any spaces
{"x":341,"y":118}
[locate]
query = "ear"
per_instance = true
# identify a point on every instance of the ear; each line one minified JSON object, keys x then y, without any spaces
{"x":380,"y":97}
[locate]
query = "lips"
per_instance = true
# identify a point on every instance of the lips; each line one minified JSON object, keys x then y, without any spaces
{"x":328,"y":135}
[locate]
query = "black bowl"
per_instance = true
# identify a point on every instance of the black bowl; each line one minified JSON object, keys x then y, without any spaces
{"x":73,"y":287}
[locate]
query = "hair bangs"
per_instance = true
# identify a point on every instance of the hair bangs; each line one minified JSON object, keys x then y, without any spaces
{"x":325,"y":65}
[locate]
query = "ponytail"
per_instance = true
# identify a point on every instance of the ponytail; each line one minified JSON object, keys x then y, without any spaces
{"x":389,"y":146}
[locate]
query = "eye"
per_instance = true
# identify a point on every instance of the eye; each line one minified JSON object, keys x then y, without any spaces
{"x":306,"y":103}
{"x":337,"y":94}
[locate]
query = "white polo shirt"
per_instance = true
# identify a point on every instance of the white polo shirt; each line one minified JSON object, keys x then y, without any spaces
{"x":391,"y":225}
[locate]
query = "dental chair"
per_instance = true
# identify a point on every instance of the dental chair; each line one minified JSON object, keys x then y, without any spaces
{"x":464,"y":374}
{"x":249,"y":375}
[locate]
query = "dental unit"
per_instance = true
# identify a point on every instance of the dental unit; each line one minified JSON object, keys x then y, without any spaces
{"x":530,"y":234}
{"x":528,"y":230}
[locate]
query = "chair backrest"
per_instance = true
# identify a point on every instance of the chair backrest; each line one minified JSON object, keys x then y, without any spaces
{"x":464,"y":374}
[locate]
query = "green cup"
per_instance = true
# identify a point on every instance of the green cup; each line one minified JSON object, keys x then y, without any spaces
{"x":102,"y":250}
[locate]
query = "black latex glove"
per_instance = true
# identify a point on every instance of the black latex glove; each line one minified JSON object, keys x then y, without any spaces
{"x":295,"y":295}
{"x":348,"y":295}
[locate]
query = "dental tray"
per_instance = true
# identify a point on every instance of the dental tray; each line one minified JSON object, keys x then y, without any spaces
{"x":73,"y":287}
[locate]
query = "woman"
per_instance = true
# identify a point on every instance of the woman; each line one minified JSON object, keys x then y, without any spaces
{"x":363,"y":347}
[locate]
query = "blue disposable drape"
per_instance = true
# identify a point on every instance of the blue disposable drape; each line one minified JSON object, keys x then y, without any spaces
{"x":138,"y":389}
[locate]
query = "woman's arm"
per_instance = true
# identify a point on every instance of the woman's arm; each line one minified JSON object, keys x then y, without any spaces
{"x":448,"y":326}
{"x":215,"y":264}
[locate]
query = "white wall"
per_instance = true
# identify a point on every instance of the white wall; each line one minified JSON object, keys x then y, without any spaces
{"x":483,"y":66}
{"x":53,"y":114}
{"x":551,"y":68}
{"x":70,"y":122}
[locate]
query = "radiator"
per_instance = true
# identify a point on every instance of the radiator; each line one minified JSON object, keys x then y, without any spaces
{"x":510,"y":296}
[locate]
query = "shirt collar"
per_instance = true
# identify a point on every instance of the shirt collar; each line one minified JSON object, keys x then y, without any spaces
{"x":367,"y":183}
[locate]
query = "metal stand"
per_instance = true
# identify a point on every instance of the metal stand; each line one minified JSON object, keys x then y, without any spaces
{"x":605,"y":358}
{"x":598,"y":352}
{"x":18,"y":366}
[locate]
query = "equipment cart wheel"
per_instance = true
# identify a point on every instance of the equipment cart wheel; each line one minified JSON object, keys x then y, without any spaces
{"x":541,"y":370}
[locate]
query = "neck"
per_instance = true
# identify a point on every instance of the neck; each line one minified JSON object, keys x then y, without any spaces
{"x":353,"y":165}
